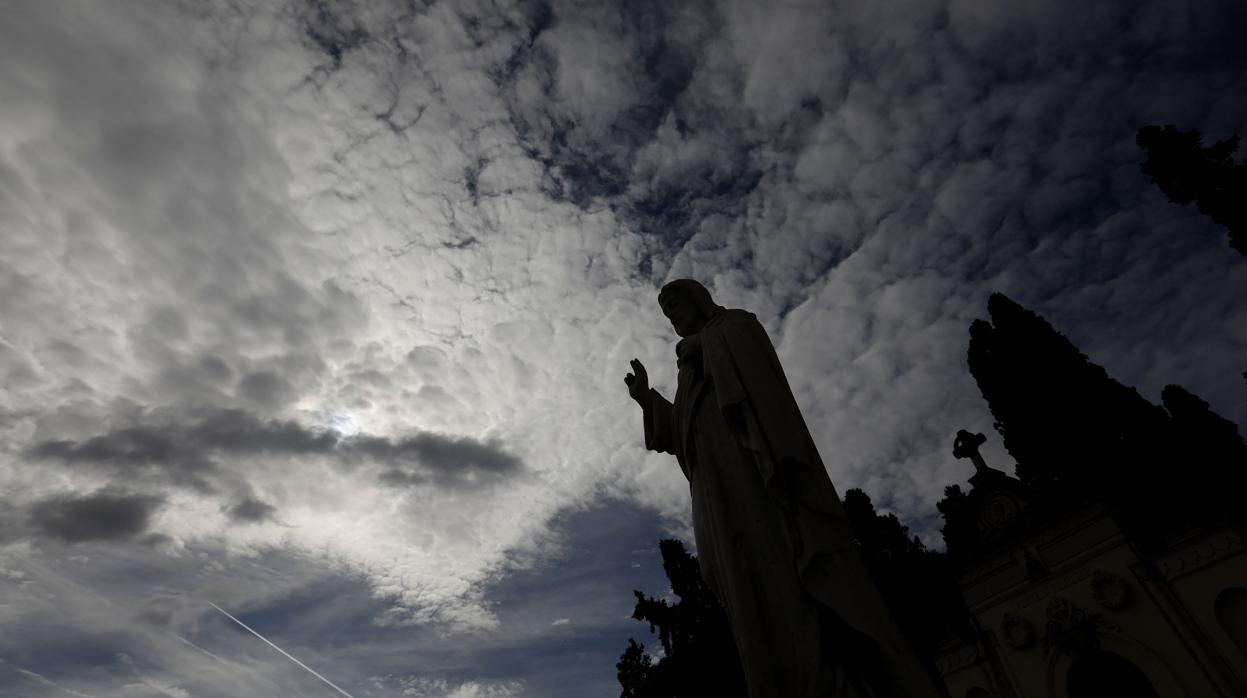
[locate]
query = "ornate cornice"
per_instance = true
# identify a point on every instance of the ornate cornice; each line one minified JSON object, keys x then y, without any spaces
{"x":1062,"y":524}
{"x":1064,"y":580}
{"x":1201,"y":554}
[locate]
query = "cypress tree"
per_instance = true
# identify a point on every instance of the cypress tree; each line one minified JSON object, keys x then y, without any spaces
{"x":1075,"y":431}
{"x":1214,"y":456}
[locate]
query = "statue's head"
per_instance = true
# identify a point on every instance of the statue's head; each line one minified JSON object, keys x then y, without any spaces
{"x":688,"y":305}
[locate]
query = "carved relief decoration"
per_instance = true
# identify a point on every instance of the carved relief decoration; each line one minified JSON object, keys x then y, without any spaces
{"x":959,"y":659}
{"x":993,"y":562}
{"x":999,"y":511}
{"x":1110,"y":591}
{"x":1071,"y":629}
{"x":1017,"y":631}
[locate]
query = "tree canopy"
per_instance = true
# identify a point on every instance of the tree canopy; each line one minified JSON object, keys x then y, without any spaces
{"x":698,"y":654}
{"x":917,"y":584}
{"x":1186,"y":171}
{"x":1075,"y":431}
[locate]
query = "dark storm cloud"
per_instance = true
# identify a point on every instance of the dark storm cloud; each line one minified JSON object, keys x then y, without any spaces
{"x":189,"y":452}
{"x":103,"y":515}
{"x":444,"y":461}
{"x":137,"y":451}
{"x":250,"y":510}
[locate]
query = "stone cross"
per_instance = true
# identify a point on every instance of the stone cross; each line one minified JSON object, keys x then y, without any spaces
{"x":967,"y":446}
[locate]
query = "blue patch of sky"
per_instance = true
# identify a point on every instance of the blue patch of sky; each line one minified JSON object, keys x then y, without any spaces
{"x":608,"y":551}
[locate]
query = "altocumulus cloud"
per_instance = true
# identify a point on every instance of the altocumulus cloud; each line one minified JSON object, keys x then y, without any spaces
{"x":365,"y":276}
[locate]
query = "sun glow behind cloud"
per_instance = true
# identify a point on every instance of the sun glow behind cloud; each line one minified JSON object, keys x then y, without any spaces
{"x":437,"y":313}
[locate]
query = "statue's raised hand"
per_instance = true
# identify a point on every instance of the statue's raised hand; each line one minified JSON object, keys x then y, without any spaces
{"x":638,"y":383}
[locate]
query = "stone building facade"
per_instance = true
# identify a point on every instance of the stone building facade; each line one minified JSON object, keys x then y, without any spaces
{"x":1066,"y":603}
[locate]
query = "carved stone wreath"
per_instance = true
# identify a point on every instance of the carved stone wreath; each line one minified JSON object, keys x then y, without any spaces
{"x":1017,"y":631}
{"x":999,"y":510}
{"x":1110,"y":591}
{"x":1071,"y":629}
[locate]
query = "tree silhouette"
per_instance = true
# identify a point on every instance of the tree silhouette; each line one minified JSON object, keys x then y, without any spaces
{"x":1214,"y":457}
{"x":698,"y":654}
{"x":1186,"y":171}
{"x":1074,"y":431}
{"x":959,"y":531}
{"x":917,"y":584}
{"x":1063,"y":419}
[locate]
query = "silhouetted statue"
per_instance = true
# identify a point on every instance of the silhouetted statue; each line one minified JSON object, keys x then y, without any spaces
{"x":1186,"y":171}
{"x":773,"y":540}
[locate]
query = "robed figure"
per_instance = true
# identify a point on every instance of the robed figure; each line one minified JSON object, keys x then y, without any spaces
{"x":773,"y":540}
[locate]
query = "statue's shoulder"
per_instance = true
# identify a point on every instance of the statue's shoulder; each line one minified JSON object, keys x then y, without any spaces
{"x":739,"y":321}
{"x":738,"y":316}
{"x":732,"y":323}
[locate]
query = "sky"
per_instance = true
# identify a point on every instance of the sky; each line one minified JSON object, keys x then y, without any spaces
{"x":315,"y":313}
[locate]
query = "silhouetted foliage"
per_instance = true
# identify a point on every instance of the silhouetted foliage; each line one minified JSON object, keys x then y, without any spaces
{"x":699,"y":656}
{"x":1063,"y":419}
{"x":959,"y":531}
{"x":917,"y":584}
{"x":1214,"y":458}
{"x":1186,"y":171}
{"x":1076,"y":432}
{"x":636,"y":672}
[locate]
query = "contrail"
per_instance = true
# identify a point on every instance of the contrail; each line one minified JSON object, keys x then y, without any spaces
{"x":226,"y":663}
{"x":200,"y":649}
{"x":40,"y":678}
{"x":284,"y":652}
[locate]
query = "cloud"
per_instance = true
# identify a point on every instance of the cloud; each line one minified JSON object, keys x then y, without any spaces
{"x":189,"y":452}
{"x":74,"y":623}
{"x":251,"y":510}
{"x":265,"y":388}
{"x":103,"y":515}
{"x":440,"y":688}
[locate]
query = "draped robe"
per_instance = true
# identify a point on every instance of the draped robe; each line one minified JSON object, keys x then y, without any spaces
{"x":773,"y":540}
